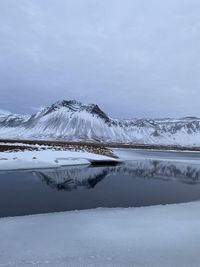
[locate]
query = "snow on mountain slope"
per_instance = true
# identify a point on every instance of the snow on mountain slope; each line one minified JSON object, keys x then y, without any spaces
{"x":4,"y":112}
{"x":74,"y":121}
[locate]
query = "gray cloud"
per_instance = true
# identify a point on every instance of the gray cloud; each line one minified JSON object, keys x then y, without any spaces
{"x":135,"y":58}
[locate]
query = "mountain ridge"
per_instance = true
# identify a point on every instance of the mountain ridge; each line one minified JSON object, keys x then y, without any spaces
{"x":75,"y":121}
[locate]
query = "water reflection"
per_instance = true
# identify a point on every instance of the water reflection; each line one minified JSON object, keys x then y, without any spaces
{"x":132,"y":184}
{"x":88,"y":177}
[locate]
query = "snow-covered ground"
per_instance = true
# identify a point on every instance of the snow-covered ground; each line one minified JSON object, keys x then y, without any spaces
{"x":47,"y":159}
{"x":150,"y":236}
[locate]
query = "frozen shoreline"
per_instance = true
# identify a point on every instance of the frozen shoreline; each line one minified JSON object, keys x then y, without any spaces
{"x":149,"y":236}
{"x":48,"y":159}
{"x":127,"y":154}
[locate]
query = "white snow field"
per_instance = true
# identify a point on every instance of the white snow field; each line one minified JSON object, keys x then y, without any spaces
{"x":148,"y":236}
{"x":47,"y":159}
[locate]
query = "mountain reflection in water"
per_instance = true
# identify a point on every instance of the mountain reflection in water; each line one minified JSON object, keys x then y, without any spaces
{"x":72,"y":178}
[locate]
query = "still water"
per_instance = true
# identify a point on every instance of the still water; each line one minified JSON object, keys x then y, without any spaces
{"x":139,"y":181}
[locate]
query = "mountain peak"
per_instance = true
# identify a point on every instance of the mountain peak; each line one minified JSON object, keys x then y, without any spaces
{"x":76,"y":106}
{"x":71,"y":104}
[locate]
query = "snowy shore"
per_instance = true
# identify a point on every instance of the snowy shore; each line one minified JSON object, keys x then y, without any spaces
{"x":148,"y":236}
{"x":48,"y":159}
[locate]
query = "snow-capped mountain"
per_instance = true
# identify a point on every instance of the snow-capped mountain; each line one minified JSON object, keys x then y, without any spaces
{"x":4,"y":112}
{"x":74,"y":121}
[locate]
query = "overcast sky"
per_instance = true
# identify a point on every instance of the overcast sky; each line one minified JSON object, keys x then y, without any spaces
{"x":135,"y":58}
